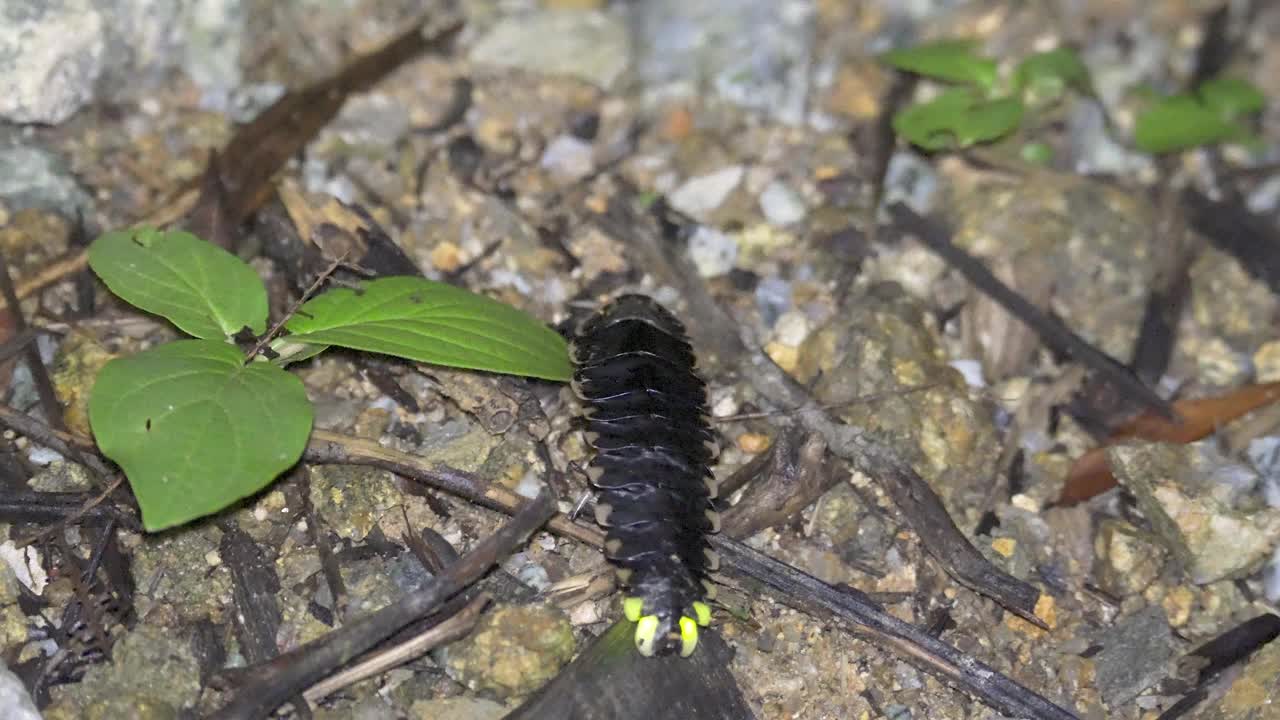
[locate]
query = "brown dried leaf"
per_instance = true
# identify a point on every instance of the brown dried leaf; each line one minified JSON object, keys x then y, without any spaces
{"x":1090,"y":475}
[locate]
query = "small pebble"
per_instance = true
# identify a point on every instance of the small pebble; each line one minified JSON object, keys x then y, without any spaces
{"x":972,"y":372}
{"x":446,"y":257}
{"x":701,"y":195}
{"x":780,"y":205}
{"x":712,"y":251}
{"x":213,"y":558}
{"x":753,"y":442}
{"x":584,"y":614}
{"x":568,"y":157}
{"x":1005,"y":546}
{"x":792,"y":328}
{"x":724,"y":403}
{"x":786,"y":356}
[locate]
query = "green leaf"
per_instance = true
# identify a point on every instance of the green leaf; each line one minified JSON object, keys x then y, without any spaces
{"x":1231,"y":98}
{"x":204,"y":290}
{"x":949,"y":60}
{"x":1037,"y":153}
{"x":195,"y":428}
{"x":958,"y":118}
{"x":432,"y":322}
{"x":1182,"y":122}
{"x":1042,"y":78}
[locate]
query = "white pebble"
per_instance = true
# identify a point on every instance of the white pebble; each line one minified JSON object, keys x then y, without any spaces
{"x":701,"y":195}
{"x":780,"y":205}
{"x":972,"y":372}
{"x":713,"y":252}
{"x":568,"y":157}
{"x":792,"y":328}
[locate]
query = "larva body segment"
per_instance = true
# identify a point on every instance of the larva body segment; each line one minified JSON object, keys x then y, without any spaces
{"x":646,"y":417}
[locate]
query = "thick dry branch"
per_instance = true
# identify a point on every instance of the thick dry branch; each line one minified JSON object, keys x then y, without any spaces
{"x":296,"y":671}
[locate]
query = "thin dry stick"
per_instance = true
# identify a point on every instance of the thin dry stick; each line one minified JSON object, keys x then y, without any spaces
{"x":89,"y":504}
{"x":447,"y":631}
{"x":289,"y":674}
{"x":329,"y":448}
{"x":293,"y":309}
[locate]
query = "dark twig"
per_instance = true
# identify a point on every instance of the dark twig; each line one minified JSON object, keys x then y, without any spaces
{"x":1229,"y":648}
{"x":305,"y":666}
{"x":336,"y":449}
{"x":910,"y":492}
{"x":293,"y":309}
{"x":76,"y":448}
{"x":1052,"y":331}
{"x":815,"y":597}
{"x":797,"y":477}
{"x":39,"y":374}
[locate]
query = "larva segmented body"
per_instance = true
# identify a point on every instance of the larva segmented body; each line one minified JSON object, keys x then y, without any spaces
{"x":646,"y":416}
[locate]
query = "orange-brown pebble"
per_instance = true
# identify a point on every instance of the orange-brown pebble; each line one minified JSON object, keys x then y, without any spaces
{"x":677,"y":124}
{"x":753,"y":442}
{"x":446,"y":257}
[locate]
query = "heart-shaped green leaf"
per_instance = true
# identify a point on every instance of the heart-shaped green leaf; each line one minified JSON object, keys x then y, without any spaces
{"x":958,"y":118}
{"x":195,"y":428}
{"x":204,"y":290}
{"x":431,"y":322}
{"x":949,"y":60}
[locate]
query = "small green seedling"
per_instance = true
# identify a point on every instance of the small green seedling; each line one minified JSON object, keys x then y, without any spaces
{"x":983,"y":107}
{"x":1215,"y":112}
{"x":196,"y":425}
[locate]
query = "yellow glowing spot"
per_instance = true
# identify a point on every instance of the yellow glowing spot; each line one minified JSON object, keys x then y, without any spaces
{"x":703,"y":611}
{"x":632,"y":607}
{"x":646,"y":634}
{"x":688,"y":636}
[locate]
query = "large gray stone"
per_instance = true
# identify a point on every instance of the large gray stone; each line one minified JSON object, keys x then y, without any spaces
{"x":51,"y":54}
{"x":589,"y":45}
{"x":15,"y":702}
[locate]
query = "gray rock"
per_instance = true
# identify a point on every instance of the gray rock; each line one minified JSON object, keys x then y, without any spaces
{"x":1271,"y":578}
{"x":1200,"y":506}
{"x":1136,"y":653}
{"x":700,"y":196}
{"x":911,"y":180}
{"x":153,"y":673}
{"x":513,"y":651}
{"x":15,"y":702}
{"x":142,"y":36}
{"x":51,"y":55}
{"x":568,"y":157}
{"x":457,"y":708}
{"x":879,"y":343}
{"x":31,"y":177}
{"x":753,"y":54}
{"x":587,"y":45}
{"x":1130,"y":559}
